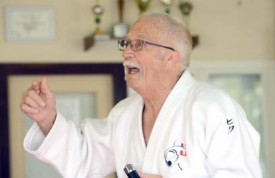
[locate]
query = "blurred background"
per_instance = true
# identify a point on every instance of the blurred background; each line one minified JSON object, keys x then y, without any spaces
{"x":235,"y":47}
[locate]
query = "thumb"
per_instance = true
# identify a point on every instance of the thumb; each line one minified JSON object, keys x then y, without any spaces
{"x":44,"y":88}
{"x":35,"y":85}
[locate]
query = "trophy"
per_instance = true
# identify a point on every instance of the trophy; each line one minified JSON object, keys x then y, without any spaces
{"x":98,"y":11}
{"x":142,"y":5}
{"x":167,"y":4}
{"x":98,"y":34}
{"x":186,"y":9}
{"x":120,"y":29}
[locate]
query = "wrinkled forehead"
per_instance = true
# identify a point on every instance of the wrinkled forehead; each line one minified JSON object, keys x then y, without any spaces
{"x":145,"y":30}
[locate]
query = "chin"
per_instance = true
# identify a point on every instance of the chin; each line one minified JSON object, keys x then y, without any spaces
{"x":131,"y":84}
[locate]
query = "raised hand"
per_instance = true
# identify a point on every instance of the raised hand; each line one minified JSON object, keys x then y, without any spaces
{"x":38,"y":103}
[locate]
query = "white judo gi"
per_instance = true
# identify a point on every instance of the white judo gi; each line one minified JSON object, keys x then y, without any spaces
{"x":200,"y":132}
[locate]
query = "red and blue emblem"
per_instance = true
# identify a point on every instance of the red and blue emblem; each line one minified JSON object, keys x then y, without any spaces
{"x":174,"y":153}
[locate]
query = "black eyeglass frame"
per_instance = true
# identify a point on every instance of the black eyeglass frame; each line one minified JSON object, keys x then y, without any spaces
{"x":127,"y":42}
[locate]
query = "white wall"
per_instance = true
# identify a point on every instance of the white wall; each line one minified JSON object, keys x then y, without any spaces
{"x":228,"y":30}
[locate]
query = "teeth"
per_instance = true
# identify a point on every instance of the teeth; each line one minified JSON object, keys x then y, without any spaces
{"x":133,"y":70}
{"x":131,"y":67}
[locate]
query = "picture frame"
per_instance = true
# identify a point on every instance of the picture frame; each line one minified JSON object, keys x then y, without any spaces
{"x":80,"y":71}
{"x":29,"y":24}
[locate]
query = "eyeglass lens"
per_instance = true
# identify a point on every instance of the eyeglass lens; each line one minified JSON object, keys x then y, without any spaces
{"x":122,"y":44}
{"x":135,"y":45}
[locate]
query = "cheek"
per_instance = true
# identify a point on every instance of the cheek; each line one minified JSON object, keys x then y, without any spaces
{"x":154,"y":73}
{"x":151,"y":65}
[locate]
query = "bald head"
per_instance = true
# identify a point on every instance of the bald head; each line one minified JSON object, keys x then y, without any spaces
{"x":171,"y":30}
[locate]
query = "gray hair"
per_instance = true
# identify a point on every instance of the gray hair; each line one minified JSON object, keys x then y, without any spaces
{"x":174,"y":30}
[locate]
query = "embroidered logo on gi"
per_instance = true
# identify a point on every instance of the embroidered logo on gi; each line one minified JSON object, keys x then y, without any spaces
{"x":174,"y":153}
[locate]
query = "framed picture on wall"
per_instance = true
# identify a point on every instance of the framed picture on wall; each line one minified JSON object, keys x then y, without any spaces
{"x":29,"y":24}
{"x":82,"y":91}
{"x":77,"y":98}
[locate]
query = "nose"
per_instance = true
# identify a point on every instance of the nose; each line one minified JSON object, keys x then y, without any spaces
{"x":127,"y":53}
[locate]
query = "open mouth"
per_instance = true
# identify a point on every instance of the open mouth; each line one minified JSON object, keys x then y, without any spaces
{"x":131,"y":68}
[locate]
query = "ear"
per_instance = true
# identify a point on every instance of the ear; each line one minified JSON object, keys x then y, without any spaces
{"x":173,"y":57}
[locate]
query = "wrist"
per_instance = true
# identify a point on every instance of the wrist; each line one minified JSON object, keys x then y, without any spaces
{"x":47,"y":124}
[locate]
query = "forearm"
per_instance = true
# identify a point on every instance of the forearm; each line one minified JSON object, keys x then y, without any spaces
{"x":73,"y":152}
{"x":59,"y":147}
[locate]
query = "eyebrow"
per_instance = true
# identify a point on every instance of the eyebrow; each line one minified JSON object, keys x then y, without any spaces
{"x":138,"y":37}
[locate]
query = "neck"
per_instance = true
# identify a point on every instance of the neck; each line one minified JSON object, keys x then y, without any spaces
{"x":153,"y":102}
{"x":154,"y":98}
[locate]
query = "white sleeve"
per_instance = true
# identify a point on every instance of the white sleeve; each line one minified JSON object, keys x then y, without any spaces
{"x":232,"y":144}
{"x":74,"y":152}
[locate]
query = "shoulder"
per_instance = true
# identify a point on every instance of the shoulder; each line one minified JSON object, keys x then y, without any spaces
{"x":127,"y":104}
{"x":207,"y":95}
{"x":209,"y":104}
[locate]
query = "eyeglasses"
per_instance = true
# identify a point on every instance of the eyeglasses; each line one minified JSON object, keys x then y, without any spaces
{"x":137,"y":45}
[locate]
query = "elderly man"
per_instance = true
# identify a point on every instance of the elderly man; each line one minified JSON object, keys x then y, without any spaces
{"x":173,"y":127}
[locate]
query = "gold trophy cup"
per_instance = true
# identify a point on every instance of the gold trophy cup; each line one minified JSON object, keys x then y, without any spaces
{"x":186,"y":9}
{"x":143,"y":5}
